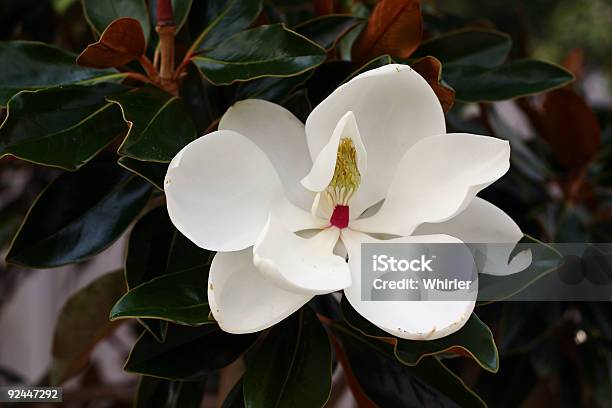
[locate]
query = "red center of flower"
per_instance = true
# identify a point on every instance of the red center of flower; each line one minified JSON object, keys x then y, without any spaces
{"x":340,"y":216}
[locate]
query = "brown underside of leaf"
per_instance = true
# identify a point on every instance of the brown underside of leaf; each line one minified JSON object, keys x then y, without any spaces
{"x":324,"y":7}
{"x":571,"y":128}
{"x":82,"y":323}
{"x":430,"y":68}
{"x":121,"y":42}
{"x":395,"y":28}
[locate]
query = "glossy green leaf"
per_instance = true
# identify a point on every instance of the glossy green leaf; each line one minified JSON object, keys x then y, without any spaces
{"x":216,"y":20}
{"x":292,"y":368}
{"x":179,"y":297}
{"x":271,"y":88}
{"x":180,"y":8}
{"x":235,"y":398}
{"x":100,"y":14}
{"x":30,"y":65}
{"x":159,"y":124}
{"x":82,"y":323}
{"x":188,"y":354}
{"x":370,"y":65}
{"x":545,"y":259}
{"x":389,"y":383}
{"x":328,"y":30}
{"x":161,"y":393}
{"x":511,"y":80}
{"x":152,"y":172}
{"x":204,"y":101}
{"x":93,"y":215}
{"x":474,"y":339}
{"x":271,"y":50}
{"x":62,"y":127}
{"x":157,"y":249}
{"x":478,"y":47}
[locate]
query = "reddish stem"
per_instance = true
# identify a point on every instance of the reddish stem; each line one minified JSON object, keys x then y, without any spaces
{"x":165,"y":15}
{"x":148,"y":67}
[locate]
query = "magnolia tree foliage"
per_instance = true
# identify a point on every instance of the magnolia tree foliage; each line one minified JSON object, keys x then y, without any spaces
{"x":160,"y":76}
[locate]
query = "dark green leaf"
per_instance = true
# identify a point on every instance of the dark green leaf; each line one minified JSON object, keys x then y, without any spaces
{"x":153,"y":172}
{"x":179,"y":297}
{"x":370,"y":65}
{"x":62,"y":127}
{"x":189,"y":353}
{"x":235,"y":398}
{"x":271,"y":88}
{"x":33,"y":65}
{"x":389,"y":383}
{"x":204,"y":101}
{"x":156,"y":249}
{"x":160,"y":393}
{"x":292,"y":368}
{"x":511,"y":80}
{"x":78,"y":215}
{"x":483,"y":48}
{"x":159,"y":125}
{"x":474,"y":339}
{"x":271,"y":50}
{"x":82,"y":323}
{"x":100,"y":14}
{"x":545,"y":259}
{"x":299,"y":105}
{"x":328,"y":30}
{"x":219,"y":19}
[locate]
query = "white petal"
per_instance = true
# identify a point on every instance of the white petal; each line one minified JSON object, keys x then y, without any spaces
{"x":294,"y":218}
{"x":413,"y":320}
{"x":394,"y":107}
{"x":219,"y":191}
{"x":324,"y":165}
{"x":301,"y":265}
{"x":483,"y":223}
{"x":241,"y":300}
{"x":436,"y":179}
{"x":281,"y":136}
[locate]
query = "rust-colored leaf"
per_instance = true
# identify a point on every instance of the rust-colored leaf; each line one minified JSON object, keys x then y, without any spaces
{"x":430,"y":68}
{"x":121,"y":42}
{"x":574,"y":62}
{"x":82,"y":323}
{"x":395,"y":28}
{"x":324,"y":7}
{"x":571,"y":128}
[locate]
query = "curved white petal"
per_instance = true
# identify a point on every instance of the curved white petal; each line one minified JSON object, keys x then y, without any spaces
{"x":281,"y":136}
{"x":485,"y":224}
{"x":219,"y":191}
{"x":394,"y":107}
{"x":241,"y":300}
{"x":324,"y":165}
{"x":436,"y":179}
{"x":294,"y":218}
{"x":301,"y":265}
{"x":413,"y":320}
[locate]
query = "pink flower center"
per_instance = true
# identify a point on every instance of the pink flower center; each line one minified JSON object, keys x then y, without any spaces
{"x":340,"y":216}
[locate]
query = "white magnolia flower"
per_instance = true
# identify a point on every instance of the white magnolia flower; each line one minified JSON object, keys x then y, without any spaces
{"x":248,"y":188}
